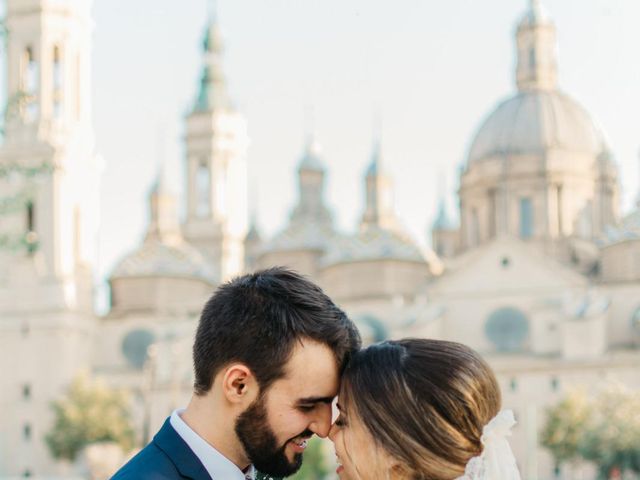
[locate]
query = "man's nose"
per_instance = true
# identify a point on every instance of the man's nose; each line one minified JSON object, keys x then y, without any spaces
{"x":321,"y":423}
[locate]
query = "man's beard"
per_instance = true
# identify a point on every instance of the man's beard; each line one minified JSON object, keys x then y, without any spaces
{"x":261,"y":445}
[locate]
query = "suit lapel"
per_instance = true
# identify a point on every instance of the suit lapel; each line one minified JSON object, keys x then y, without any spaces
{"x":185,"y":461}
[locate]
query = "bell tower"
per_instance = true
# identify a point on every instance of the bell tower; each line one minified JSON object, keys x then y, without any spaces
{"x":47,"y":160}
{"x":216,"y":143}
{"x":49,"y":186}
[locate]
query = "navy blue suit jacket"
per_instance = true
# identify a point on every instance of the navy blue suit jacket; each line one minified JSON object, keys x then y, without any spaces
{"x":167,"y":457}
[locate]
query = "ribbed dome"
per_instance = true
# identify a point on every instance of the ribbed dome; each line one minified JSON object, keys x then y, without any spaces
{"x":373,"y":243}
{"x":157,"y":258}
{"x":533,"y":122}
{"x":309,"y":235}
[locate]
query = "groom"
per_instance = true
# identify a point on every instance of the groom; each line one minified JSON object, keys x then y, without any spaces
{"x":268,"y":354}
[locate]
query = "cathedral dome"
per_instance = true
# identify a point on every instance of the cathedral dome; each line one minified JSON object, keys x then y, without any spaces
{"x":158,"y":258}
{"x":310,"y":235}
{"x":373,"y":243}
{"x":535,"y":121}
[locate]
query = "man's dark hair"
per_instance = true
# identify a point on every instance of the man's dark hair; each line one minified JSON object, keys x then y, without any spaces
{"x":255,"y":319}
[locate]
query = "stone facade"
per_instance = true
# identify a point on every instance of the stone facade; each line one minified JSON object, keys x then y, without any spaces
{"x":542,"y":275}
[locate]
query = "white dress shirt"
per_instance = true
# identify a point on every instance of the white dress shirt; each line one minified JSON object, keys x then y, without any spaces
{"x":217,"y":465}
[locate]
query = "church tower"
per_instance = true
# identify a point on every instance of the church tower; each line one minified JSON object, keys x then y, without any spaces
{"x":539,"y":167}
{"x":312,"y":173}
{"x":216,"y":143}
{"x":537,"y":66}
{"x":379,"y":210}
{"x":305,"y":239}
{"x":48,"y":221}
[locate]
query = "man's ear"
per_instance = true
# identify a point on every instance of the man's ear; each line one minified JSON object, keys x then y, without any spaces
{"x":239,"y":384}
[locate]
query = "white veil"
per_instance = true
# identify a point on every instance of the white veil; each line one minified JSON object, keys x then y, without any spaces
{"x":496,"y":462}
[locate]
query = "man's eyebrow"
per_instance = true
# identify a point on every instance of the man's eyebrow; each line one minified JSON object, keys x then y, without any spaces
{"x":308,"y":400}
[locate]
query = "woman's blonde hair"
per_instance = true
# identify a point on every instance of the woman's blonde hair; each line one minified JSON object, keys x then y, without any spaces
{"x":425,"y":402}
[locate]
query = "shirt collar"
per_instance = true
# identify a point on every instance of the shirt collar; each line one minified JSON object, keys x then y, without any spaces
{"x":217,"y":465}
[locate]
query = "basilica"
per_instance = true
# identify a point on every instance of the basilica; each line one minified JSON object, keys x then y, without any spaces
{"x":541,"y":274}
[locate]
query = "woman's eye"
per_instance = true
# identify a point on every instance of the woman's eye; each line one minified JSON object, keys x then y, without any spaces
{"x":340,"y":421}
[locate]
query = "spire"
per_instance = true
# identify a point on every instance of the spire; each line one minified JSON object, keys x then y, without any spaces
{"x":311,"y":158}
{"x":536,"y":45}
{"x":375,"y":166}
{"x":537,"y":13}
{"x":213,"y":89}
{"x":379,"y":209}
{"x":443,"y":219}
{"x":212,"y":7}
{"x":161,"y":185}
{"x":253,"y":235}
{"x":164,"y":225}
{"x":311,"y":179}
{"x":252,"y":243}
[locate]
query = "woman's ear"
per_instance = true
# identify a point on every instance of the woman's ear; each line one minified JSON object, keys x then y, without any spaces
{"x":239,"y":385}
{"x":399,"y":471}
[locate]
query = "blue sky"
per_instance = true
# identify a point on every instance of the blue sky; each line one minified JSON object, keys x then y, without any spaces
{"x":430,"y":70}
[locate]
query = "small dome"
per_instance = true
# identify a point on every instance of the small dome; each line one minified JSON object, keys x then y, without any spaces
{"x":533,"y":122}
{"x":303,"y":235}
{"x":373,"y":243}
{"x":156,"y":258}
{"x":312,"y":157}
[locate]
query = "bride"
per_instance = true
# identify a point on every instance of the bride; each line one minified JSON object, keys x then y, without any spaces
{"x":418,"y":409}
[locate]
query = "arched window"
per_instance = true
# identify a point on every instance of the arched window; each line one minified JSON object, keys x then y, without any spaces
{"x":203,"y":190}
{"x":560,"y":208}
{"x":508,"y":329}
{"x":135,"y":346}
{"x":635,"y":321}
{"x":493,"y":206}
{"x":532,"y":58}
{"x":31,"y":217}
{"x":474,"y":228}
{"x":526,"y":218}
{"x":221,"y":189}
{"x":57,"y":82}
{"x":30,"y":83}
{"x":29,"y":72}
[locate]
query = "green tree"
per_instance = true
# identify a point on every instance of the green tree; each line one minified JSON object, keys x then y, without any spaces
{"x":565,"y":427}
{"x":603,"y":429}
{"x":90,"y":412}
{"x":612,"y":436}
{"x":314,"y":466}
